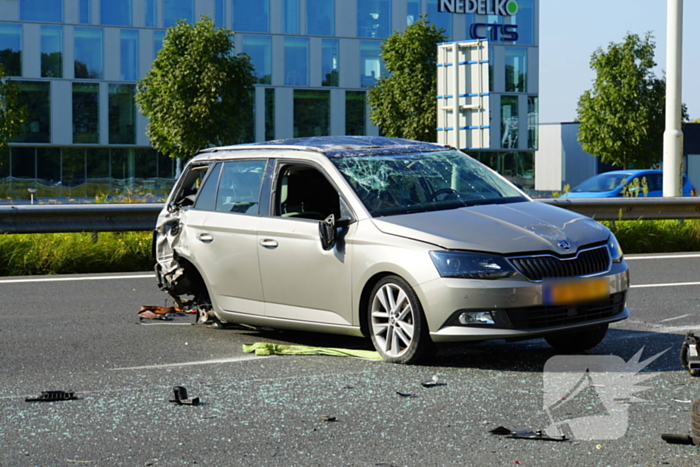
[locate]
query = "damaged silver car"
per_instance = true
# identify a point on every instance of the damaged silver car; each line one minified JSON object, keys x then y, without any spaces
{"x":411,"y":244}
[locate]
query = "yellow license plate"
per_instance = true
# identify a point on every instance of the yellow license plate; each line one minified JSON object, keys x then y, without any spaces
{"x":571,"y":293}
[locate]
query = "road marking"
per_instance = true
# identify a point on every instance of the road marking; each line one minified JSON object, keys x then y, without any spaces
{"x":673,"y":319}
{"x":67,"y":279}
{"x":203,"y":362}
{"x":671,"y":284}
{"x":632,"y":258}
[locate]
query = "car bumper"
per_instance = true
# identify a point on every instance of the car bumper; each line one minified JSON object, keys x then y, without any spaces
{"x":517,"y":306}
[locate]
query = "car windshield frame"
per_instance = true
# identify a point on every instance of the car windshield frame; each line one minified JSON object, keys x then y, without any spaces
{"x":393,"y":183}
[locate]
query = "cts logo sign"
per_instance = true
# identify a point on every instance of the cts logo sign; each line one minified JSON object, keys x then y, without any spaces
{"x":480,"y":7}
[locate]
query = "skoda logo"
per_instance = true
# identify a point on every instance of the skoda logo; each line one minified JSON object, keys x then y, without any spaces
{"x":564,"y":245}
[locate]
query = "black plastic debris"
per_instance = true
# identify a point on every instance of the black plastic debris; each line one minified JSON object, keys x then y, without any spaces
{"x":181,"y":397}
{"x":53,"y":396}
{"x":526,"y":434}
{"x":405,"y":394}
{"x":329,"y":419}
{"x":690,"y":354}
{"x":431,"y":383}
{"x":677,"y":439}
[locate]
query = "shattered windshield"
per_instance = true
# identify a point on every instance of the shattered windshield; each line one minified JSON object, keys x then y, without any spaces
{"x":391,"y":184}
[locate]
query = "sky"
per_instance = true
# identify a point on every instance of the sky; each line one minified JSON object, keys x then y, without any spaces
{"x":571,"y":30}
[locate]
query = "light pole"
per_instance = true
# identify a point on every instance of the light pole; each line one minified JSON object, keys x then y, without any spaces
{"x":673,"y":135}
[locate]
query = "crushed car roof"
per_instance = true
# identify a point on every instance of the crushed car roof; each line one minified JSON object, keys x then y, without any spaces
{"x":339,"y":146}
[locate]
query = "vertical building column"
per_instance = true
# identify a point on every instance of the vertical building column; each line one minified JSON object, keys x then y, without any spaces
{"x":61,"y":112}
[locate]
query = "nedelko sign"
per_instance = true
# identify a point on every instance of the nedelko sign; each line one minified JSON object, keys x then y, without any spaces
{"x":490,"y":31}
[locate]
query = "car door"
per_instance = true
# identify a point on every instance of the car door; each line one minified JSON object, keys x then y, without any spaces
{"x":223,"y":225}
{"x":302,"y":281}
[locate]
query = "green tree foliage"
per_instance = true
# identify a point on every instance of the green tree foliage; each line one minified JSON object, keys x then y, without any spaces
{"x":403,"y":103}
{"x":197,"y":93}
{"x":13,"y":114}
{"x":622,"y":116}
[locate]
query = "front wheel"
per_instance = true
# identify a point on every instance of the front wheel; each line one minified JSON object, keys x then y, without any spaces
{"x":398,"y":328}
{"x":578,"y":341}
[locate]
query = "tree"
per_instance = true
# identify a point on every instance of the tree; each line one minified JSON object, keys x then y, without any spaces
{"x":403,"y":103}
{"x":198,"y":93}
{"x":622,"y":116}
{"x":13,"y":114}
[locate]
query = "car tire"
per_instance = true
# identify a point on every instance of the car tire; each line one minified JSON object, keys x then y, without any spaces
{"x":578,"y":341}
{"x":397,"y":324}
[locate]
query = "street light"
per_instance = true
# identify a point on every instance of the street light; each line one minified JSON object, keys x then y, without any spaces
{"x":31,"y":194}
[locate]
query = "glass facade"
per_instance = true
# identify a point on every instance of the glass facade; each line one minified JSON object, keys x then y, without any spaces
{"x":516,"y":69}
{"x":251,"y":16}
{"x":220,"y":13}
{"x":441,"y":19}
{"x":320,"y":18}
{"x":174,"y":10}
{"x":355,"y":113}
{"x":115,"y":13}
{"x":86,"y":113}
{"x":88,"y":52}
{"x":129,"y":55}
{"x":45,"y":11}
{"x":329,"y":62}
{"x":84,"y":11}
{"x":412,"y":11}
{"x":296,"y":61}
{"x":259,"y":48}
{"x":371,"y":63}
{"x":373,"y":18}
{"x":291,"y":17}
{"x":150,"y":13}
{"x":158,"y":37}
{"x":10,"y":49}
{"x":509,"y":121}
{"x":269,"y":114}
{"x":122,"y":114}
{"x":37,"y":97}
{"x":533,"y":121}
{"x":312,"y":113}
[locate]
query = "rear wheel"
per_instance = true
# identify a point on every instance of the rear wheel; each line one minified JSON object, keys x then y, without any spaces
{"x":398,"y":328}
{"x":578,"y":341}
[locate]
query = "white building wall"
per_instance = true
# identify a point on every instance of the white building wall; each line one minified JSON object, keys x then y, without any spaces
{"x":549,"y":159}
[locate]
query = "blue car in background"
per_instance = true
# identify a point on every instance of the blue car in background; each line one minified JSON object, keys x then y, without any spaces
{"x":626,"y":183}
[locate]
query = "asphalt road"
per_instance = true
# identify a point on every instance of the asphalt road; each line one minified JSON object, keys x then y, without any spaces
{"x":83,"y":334}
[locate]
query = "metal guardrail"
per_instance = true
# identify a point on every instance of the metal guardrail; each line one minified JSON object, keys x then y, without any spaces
{"x":46,"y":218}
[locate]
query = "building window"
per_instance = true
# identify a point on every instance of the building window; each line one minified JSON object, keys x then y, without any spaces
{"x":525,"y":21}
{"x":115,"y":13}
{"x":48,"y":166}
{"x":122,"y":114}
{"x":51,"y":52}
{"x":312,"y":113}
{"x":259,"y":49}
{"x":371,"y":64}
{"x":355,"y":113}
{"x":509,"y":121}
{"x":150,"y":13}
{"x":412,"y":11}
{"x":174,"y":10}
{"x":88,"y":53}
{"x":10,"y":47}
{"x":97,"y":166}
{"x":220,"y":13}
{"x":269,"y":114}
{"x":296,"y":61}
{"x":24,"y":162}
{"x":37,"y":97}
{"x":158,"y":37}
{"x":251,"y":16}
{"x":73,"y":170}
{"x":290,"y":18}
{"x":45,"y":11}
{"x":320,"y":17}
{"x":86,"y":113}
{"x":441,"y":19}
{"x":516,"y":69}
{"x":129,"y":45}
{"x":373,"y":18}
{"x":329,"y":62}
{"x":533,"y":121}
{"x":84,"y":12}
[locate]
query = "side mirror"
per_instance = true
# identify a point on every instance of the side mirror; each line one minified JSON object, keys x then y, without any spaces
{"x":327,"y":230}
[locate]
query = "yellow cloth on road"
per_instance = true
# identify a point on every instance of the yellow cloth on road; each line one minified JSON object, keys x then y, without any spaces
{"x":266,"y":348}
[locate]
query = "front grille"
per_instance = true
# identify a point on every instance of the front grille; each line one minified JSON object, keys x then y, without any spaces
{"x":537,"y":317}
{"x":586,"y":263}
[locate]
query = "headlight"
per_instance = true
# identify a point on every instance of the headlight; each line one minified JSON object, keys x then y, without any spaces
{"x":615,"y":249}
{"x":471,"y":265}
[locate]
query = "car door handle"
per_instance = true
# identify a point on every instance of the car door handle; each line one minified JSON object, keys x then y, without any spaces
{"x":206,"y":238}
{"x":269,"y":243}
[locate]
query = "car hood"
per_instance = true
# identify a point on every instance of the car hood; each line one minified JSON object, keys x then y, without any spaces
{"x":499,"y":228}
